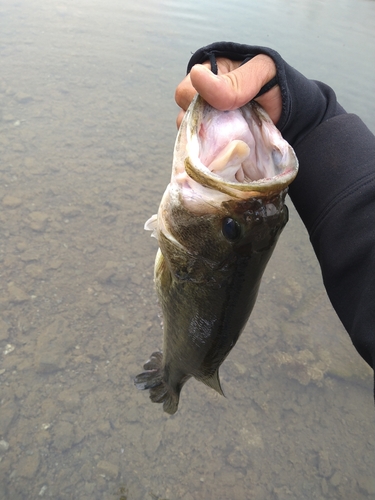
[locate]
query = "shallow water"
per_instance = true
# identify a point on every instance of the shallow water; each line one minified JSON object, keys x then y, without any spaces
{"x":86,"y":138}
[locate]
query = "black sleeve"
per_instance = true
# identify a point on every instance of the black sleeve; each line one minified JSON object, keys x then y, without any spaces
{"x":334,"y":191}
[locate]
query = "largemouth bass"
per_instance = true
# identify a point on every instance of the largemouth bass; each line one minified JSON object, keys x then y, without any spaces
{"x":217,"y":225}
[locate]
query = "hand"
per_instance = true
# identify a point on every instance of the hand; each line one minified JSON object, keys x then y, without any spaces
{"x":233,"y":87}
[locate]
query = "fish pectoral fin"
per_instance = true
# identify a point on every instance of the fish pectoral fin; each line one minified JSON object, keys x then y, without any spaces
{"x":162,"y":274}
{"x":214,"y":382}
{"x":151,"y":224}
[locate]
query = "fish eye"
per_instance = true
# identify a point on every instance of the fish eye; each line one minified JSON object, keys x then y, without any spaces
{"x":231,"y":229}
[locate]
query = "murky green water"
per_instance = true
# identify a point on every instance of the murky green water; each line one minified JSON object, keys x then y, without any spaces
{"x":86,"y":138}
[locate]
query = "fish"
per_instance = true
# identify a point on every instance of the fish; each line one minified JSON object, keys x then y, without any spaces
{"x":217,"y":225}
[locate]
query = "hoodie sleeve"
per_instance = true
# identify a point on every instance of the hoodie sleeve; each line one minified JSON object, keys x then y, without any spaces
{"x":334,"y":192}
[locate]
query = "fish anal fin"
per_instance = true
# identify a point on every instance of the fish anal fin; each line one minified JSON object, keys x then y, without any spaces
{"x":214,"y":382}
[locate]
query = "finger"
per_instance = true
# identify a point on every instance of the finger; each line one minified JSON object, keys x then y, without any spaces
{"x":184,"y":93}
{"x":271,"y":101}
{"x":235,"y":88}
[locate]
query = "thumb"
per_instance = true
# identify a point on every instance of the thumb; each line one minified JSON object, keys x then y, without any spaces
{"x":234,"y":88}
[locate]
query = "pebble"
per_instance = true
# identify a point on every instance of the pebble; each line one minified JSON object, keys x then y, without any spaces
{"x":16,"y":294}
{"x":70,"y":400}
{"x":105,"y":275}
{"x":107,"y":469}
{"x":28,"y":466}
{"x":47,"y":362}
{"x":367,"y":484}
{"x":104,"y":299}
{"x":34,"y":271}
{"x":8,"y":118}
{"x":104,"y":428}
{"x":188,"y":496}
{"x":64,"y":436}
{"x":43,"y":489}
{"x":18,"y":147}
{"x":4,"y":446}
{"x":70,"y":212}
{"x":29,"y":255}
{"x":228,"y":478}
{"x":324,"y":465}
{"x":7,"y":411}
{"x":117,"y":313}
{"x":23,"y":98}
{"x":38,"y":221}
{"x":132,"y":414}
{"x":90,"y":249}
{"x":23,"y":324}
{"x":151,"y":442}
{"x":4,"y":330}
{"x":336,"y":479}
{"x":11,"y":201}
{"x":136,"y":279}
{"x":21,"y":246}
{"x":8,"y":349}
{"x":240,"y":368}
{"x":325,"y":489}
{"x":55,"y":264}
{"x":237,"y":459}
{"x":29,"y":162}
{"x":86,"y":471}
{"x":52,"y":345}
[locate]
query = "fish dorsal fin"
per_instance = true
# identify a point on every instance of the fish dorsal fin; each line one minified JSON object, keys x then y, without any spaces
{"x":214,"y":382}
{"x":151,"y":224}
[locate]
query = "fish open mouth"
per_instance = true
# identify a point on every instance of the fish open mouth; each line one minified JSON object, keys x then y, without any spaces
{"x":239,"y":149}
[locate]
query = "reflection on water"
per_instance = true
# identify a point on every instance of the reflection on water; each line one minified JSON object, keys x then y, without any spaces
{"x":86,"y":137}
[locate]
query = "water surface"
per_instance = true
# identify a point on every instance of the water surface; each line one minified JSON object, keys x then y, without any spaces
{"x":86,"y":139}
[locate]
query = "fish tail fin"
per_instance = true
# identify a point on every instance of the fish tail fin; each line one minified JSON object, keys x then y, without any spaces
{"x":153,"y":379}
{"x":213,"y":381}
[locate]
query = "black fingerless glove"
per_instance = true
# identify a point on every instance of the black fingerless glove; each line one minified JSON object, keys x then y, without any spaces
{"x":305,"y":103}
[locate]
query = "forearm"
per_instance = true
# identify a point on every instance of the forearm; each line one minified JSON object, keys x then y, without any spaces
{"x":334,"y":193}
